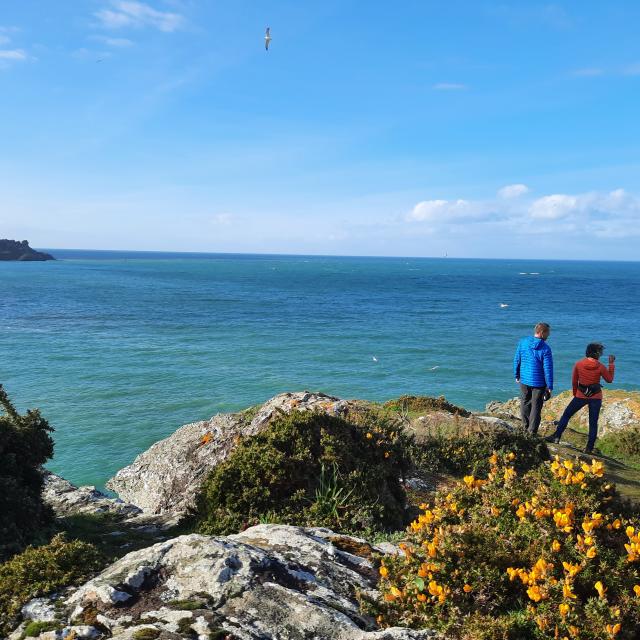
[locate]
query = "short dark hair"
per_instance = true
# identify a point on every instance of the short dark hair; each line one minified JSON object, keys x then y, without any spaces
{"x":542,"y":327}
{"x":594,"y":350}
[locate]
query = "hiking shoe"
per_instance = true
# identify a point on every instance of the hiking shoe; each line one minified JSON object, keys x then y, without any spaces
{"x":588,"y":451}
{"x":552,"y":439}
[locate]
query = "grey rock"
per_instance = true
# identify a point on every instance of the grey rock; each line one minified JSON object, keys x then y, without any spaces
{"x":66,"y":499}
{"x":40,"y":610}
{"x":270,"y":581}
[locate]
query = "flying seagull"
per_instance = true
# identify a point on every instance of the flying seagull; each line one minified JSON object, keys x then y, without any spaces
{"x":267,"y":38}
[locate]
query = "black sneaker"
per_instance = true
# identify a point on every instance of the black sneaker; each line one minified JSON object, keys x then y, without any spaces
{"x":553,"y":439}
{"x":588,"y":451}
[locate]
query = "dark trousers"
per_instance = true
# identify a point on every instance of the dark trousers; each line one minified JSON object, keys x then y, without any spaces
{"x":572,"y":408}
{"x":531,"y":399}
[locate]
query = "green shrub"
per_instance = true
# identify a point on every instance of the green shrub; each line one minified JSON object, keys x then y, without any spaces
{"x":25,"y":445}
{"x":38,"y":571}
{"x":459,"y":452}
{"x":309,"y":469}
{"x":623,"y":444}
{"x":552,"y":553}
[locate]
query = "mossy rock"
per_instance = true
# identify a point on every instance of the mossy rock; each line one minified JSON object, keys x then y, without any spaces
{"x":36,"y":627}
{"x":424,"y":404}
{"x":146,"y":634}
{"x":308,"y":469}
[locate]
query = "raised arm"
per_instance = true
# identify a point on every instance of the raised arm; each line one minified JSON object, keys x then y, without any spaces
{"x":608,"y":373}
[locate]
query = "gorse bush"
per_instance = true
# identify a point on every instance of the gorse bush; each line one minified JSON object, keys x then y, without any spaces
{"x":456,"y":450}
{"x":551,"y":553}
{"x":41,"y":570}
{"x":309,"y":469}
{"x":25,"y":444}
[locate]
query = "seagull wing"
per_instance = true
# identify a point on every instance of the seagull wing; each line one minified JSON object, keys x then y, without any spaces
{"x":267,"y":38}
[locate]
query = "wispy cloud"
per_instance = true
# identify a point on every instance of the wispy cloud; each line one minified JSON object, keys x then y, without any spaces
{"x":588,"y":72}
{"x":119,"y":43}
{"x":129,"y":13}
{"x":224,"y":219}
{"x":513,"y":191}
{"x":547,"y":14}
{"x":13,"y":54}
{"x":613,"y":214}
{"x":450,"y":86}
{"x":8,"y":56}
{"x":632,"y":69}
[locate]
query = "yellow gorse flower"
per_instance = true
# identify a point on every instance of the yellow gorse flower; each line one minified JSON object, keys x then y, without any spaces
{"x":601,"y":589}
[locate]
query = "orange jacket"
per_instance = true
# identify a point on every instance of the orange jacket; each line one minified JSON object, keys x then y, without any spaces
{"x":588,"y":371}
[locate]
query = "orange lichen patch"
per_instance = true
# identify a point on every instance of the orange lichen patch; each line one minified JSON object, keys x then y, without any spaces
{"x":206,"y":438}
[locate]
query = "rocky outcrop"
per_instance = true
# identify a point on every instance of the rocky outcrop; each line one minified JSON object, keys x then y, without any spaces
{"x":20,"y":250}
{"x":270,"y":581}
{"x":620,"y":410}
{"x":166,"y":477}
{"x":67,"y":500}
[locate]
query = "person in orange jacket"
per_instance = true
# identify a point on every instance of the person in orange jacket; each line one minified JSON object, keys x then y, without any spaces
{"x":587,"y":391}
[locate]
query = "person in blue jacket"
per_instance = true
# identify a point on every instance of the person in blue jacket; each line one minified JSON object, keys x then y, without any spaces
{"x":533,"y":371}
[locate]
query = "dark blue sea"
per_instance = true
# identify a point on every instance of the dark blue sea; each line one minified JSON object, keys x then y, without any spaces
{"x":119,"y":349}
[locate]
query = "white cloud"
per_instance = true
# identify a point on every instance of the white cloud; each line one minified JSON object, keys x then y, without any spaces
{"x":513,"y":191}
{"x":129,"y":13}
{"x":13,"y":54}
{"x":442,"y":210}
{"x":449,"y":86}
{"x":612,"y":214}
{"x":553,"y":207}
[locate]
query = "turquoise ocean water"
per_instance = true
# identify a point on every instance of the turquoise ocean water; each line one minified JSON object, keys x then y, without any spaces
{"x":119,"y":349}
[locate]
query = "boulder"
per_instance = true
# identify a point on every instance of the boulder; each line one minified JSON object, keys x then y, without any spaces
{"x":166,"y":477}
{"x":270,"y":581}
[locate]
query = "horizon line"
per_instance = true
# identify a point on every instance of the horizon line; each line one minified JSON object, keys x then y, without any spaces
{"x":325,"y":255}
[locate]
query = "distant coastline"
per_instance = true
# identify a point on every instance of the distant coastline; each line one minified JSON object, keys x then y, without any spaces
{"x":19,"y":250}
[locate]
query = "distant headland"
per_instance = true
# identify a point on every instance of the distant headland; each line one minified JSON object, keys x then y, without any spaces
{"x":20,"y":250}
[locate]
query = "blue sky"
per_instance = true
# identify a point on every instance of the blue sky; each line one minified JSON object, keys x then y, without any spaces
{"x":476,"y":129}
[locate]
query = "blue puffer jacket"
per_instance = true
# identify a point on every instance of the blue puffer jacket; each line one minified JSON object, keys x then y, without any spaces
{"x":533,"y":363}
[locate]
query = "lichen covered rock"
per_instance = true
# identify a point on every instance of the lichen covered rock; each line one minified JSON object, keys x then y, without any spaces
{"x":270,"y":581}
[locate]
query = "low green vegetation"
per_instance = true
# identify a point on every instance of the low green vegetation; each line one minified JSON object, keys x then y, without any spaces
{"x":310,"y":469}
{"x":36,"y":627}
{"x":623,"y":445}
{"x":25,"y":445}
{"x":453,"y":450}
{"x":41,"y":570}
